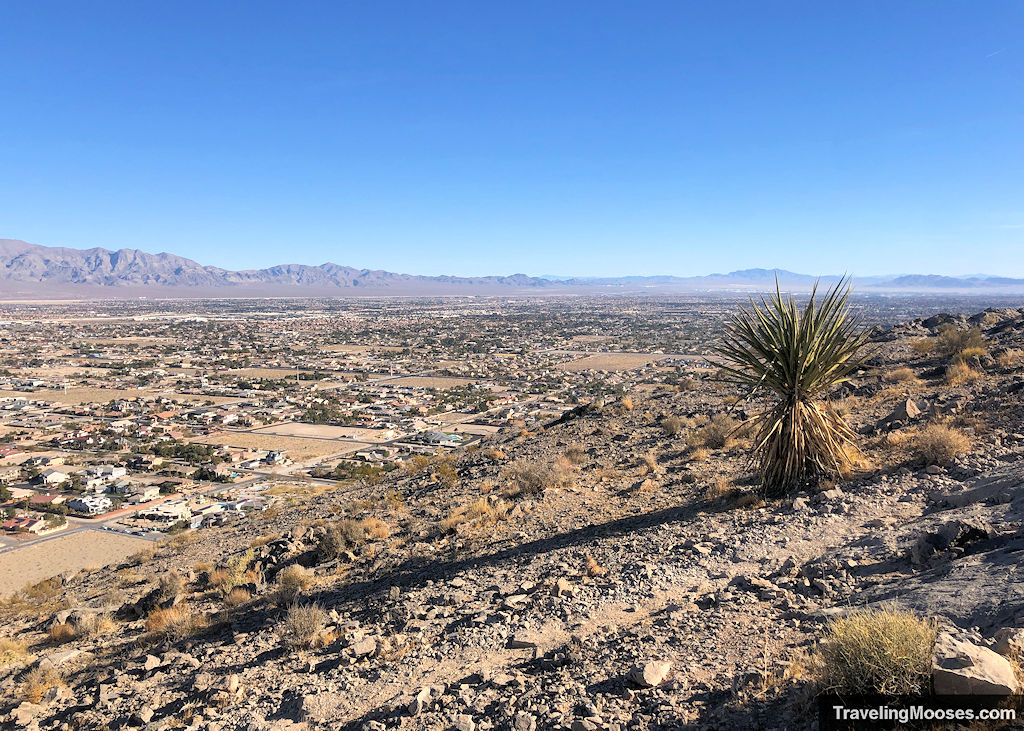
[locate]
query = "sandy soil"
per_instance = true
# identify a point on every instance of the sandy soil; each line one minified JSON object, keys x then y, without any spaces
{"x":298,"y":449}
{"x":609,"y":362}
{"x":73,"y":552}
{"x":325,"y":431}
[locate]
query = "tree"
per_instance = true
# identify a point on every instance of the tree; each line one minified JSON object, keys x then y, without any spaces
{"x":796,"y":357}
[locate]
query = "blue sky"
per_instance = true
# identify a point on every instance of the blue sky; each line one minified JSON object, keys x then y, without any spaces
{"x":589,"y":138}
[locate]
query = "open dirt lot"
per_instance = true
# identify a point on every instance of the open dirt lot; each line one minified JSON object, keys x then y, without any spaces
{"x":609,"y":362}
{"x":298,"y":449}
{"x":324,"y":431}
{"x":68,"y":553}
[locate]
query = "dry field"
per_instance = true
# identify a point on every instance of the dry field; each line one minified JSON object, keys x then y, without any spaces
{"x":133,"y":340}
{"x":73,"y":552}
{"x":609,"y":362}
{"x":323,"y":431}
{"x":298,"y":449}
{"x":356,"y":349}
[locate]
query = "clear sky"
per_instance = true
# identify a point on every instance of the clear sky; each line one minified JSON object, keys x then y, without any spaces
{"x":551,"y":137}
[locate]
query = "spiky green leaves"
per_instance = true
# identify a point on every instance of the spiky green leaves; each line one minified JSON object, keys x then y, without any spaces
{"x":796,"y":357}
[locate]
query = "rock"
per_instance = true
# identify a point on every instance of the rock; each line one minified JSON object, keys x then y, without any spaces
{"x":562,"y":587}
{"x":421,"y":702}
{"x":1010,"y":642}
{"x":904,"y":413}
{"x":521,"y":642}
{"x":652,"y":674}
{"x":799,"y":504}
{"x":58,"y":657}
{"x":954,"y":534}
{"x":962,"y":668}
{"x":25,"y":713}
{"x":583,"y":724}
{"x":464,"y":723}
{"x":523,"y":721}
{"x":152,"y":662}
{"x":364,"y":647}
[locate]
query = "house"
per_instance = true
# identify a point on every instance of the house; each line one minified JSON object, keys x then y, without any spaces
{"x":144,"y":493}
{"x":53,"y":477}
{"x":28,"y":525}
{"x":107,"y":471}
{"x":47,"y":498}
{"x":91,"y":504}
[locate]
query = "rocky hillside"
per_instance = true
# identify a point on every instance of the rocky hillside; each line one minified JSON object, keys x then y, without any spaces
{"x":617,"y":569}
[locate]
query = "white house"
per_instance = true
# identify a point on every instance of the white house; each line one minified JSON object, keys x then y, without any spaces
{"x":91,"y":504}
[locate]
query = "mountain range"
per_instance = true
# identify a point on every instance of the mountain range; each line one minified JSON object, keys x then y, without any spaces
{"x":30,"y":271}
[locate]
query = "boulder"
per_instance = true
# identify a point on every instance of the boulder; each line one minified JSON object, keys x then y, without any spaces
{"x":1010,"y":642}
{"x":954,"y":534}
{"x":963,"y":668}
{"x":652,"y":674}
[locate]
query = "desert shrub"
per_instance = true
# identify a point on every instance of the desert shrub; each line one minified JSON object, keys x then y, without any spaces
{"x":176,"y":623}
{"x":958,"y":372}
{"x":626,"y":403}
{"x":416,"y":465}
{"x":1010,"y":358}
{"x":796,"y":357}
{"x":236,"y":597}
{"x":923,"y":346}
{"x":170,"y":585}
{"x":261,"y":541}
{"x":375,"y":528}
{"x":12,"y":650}
{"x":953,"y":341}
{"x":446,"y":473}
{"x":342,"y":536}
{"x":494,"y":454}
{"x":292,"y":580}
{"x":576,"y":455}
{"x":61,"y":632}
{"x":938,"y":444}
{"x":718,"y":433}
{"x":722,"y":487}
{"x":39,"y":680}
{"x":234,"y":572}
{"x":302,"y":625}
{"x":900,"y":375}
{"x":672,"y":425}
{"x":94,"y":625}
{"x":481,"y":511}
{"x":884,"y":651}
{"x":531,"y":479}
{"x":144,"y":556}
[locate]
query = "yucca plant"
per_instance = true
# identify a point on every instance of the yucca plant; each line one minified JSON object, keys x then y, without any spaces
{"x":796,"y":357}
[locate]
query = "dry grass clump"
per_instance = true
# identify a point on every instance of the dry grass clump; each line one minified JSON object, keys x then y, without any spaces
{"x":626,"y":403}
{"x":292,"y":580}
{"x":144,"y":556}
{"x":531,"y":479}
{"x":416,"y":465}
{"x":922,"y":346}
{"x":261,"y":541}
{"x":340,"y":537}
{"x":481,"y":512}
{"x":176,"y":622}
{"x":593,"y":568}
{"x":61,"y":632}
{"x":94,"y":625}
{"x":494,"y":454}
{"x":958,"y":372}
{"x":375,"y":528}
{"x":885,"y":651}
{"x":170,"y":585}
{"x":302,"y":625}
{"x":938,"y":444}
{"x":38,"y":680}
{"x":1010,"y":358}
{"x":36,"y":599}
{"x":234,"y":572}
{"x":719,"y":433}
{"x":672,"y":425}
{"x":721,"y":488}
{"x":576,"y":455}
{"x":901,"y":375}
{"x":12,"y":650}
{"x":236,"y":597}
